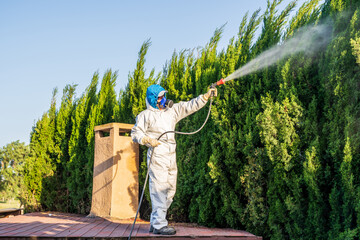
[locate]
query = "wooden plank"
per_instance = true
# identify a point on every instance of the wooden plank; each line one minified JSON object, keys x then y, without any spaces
{"x":74,"y":228}
{"x":6,"y":231}
{"x":39,"y":225}
{"x":19,"y":218}
{"x":127,"y":232}
{"x":106,"y":232}
{"x":29,"y":230}
{"x":58,"y":228}
{"x":185,"y":231}
{"x":18,"y":228}
{"x":143,"y":230}
{"x":120,"y":230}
{"x":5,"y":226}
{"x":49,"y":230}
{"x":92,"y":222}
{"x":95,"y":230}
{"x":59,"y":223}
{"x":43,"y":223}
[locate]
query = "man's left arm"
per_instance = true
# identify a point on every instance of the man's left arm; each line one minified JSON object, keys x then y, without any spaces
{"x":184,"y":109}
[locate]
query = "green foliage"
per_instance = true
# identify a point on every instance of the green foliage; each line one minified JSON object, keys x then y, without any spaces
{"x":278,"y":124}
{"x":279,"y":156}
{"x":306,"y":14}
{"x":12,"y":160}
{"x":60,"y":154}
{"x":40,"y":164}
{"x":314,"y":222}
{"x":77,"y":181}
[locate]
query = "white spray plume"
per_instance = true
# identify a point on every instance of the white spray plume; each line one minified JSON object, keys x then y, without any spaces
{"x":307,"y":40}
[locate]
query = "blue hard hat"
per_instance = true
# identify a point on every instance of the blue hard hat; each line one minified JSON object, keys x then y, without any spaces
{"x":152,"y":94}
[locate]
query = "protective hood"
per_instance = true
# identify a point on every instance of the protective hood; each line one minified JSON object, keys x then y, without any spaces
{"x":152,"y":94}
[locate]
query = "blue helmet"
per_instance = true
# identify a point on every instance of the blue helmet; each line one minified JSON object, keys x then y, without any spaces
{"x":152,"y":94}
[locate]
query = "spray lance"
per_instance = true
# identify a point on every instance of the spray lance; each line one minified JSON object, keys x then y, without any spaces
{"x":218,"y":83}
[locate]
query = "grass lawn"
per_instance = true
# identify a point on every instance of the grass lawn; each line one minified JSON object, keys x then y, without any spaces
{"x":10,"y":204}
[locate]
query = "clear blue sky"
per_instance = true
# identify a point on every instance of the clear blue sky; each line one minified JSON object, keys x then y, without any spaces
{"x":47,"y":44}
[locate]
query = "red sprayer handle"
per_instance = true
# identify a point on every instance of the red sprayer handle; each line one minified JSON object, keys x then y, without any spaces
{"x":215,"y":84}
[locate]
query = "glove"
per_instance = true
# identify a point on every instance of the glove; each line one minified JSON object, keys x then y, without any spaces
{"x":209,"y":93}
{"x":148,"y":141}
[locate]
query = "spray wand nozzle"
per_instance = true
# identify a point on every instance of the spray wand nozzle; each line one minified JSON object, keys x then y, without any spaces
{"x":215,"y":84}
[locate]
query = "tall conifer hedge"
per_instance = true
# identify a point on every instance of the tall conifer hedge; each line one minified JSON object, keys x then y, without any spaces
{"x":280,"y":155}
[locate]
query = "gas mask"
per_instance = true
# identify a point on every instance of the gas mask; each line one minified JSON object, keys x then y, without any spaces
{"x":165,"y":103}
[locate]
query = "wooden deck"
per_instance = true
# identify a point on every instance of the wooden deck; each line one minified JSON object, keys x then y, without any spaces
{"x":48,"y":225}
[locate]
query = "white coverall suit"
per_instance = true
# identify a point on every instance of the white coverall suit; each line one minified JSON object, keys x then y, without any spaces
{"x":153,"y":122}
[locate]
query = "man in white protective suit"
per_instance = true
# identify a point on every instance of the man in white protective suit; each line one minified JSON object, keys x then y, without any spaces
{"x":150,"y":124}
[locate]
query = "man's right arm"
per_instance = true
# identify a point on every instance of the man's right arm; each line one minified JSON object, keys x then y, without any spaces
{"x":139,"y":129}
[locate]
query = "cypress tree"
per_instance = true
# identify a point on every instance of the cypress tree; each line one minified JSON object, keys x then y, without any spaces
{"x":58,"y":199}
{"x":76,"y":182}
{"x":12,"y":160}
{"x":40,"y":165}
